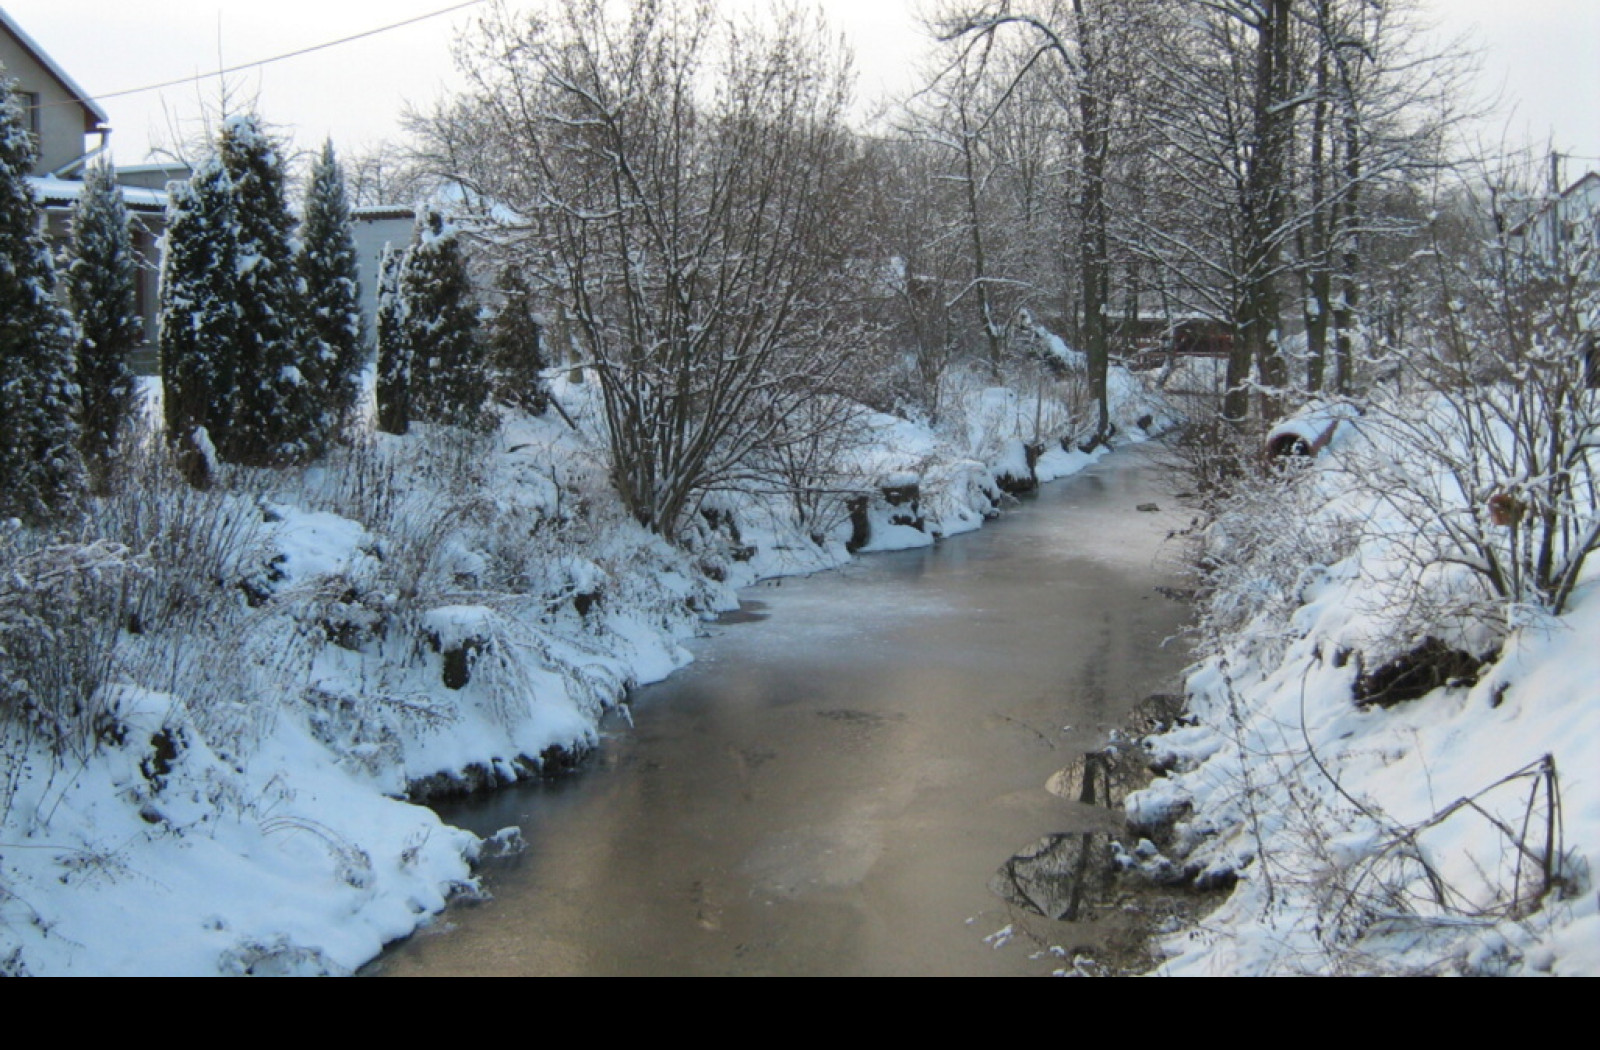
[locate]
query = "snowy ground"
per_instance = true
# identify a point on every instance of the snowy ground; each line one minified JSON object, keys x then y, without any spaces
{"x":438,"y":611}
{"x":1413,"y":838}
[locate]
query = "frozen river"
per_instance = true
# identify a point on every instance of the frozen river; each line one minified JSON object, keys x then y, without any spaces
{"x":832,"y":785}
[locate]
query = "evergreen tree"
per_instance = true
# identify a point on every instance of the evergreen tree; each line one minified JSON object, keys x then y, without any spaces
{"x":40,"y":469}
{"x":516,"y":346}
{"x":198,"y":322}
{"x":449,"y":376}
{"x":102,"y":286}
{"x":394,"y":351}
{"x":329,"y":274}
{"x":275,"y":410}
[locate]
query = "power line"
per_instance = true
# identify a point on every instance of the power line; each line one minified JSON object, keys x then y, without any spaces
{"x":196,"y":78}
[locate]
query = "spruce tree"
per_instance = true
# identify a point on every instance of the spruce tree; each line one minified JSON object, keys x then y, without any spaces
{"x":516,"y":346}
{"x":198,"y":321}
{"x":394,"y":351}
{"x":449,"y":376}
{"x":274,"y":412}
{"x":102,"y":287}
{"x":40,"y":469}
{"x":332,"y":325}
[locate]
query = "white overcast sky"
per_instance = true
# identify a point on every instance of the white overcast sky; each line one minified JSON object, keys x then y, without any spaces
{"x":1542,"y":55}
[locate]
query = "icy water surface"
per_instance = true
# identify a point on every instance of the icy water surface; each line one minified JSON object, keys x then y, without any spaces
{"x":832,"y":786}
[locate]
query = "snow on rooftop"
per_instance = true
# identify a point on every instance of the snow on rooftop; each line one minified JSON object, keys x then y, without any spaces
{"x":50,"y":191}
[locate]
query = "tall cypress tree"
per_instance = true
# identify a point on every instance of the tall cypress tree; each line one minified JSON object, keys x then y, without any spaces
{"x":450,"y":376}
{"x":329,"y":273}
{"x":274,"y":417}
{"x":40,"y":468}
{"x":102,"y":286}
{"x":516,"y":346}
{"x":198,"y":321}
{"x":394,"y":351}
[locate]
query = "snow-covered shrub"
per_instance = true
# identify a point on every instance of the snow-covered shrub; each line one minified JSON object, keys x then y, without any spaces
{"x":203,"y":546}
{"x":1494,"y":484}
{"x":810,"y":462}
{"x":62,"y":607}
{"x":1272,"y":539}
{"x":1211,"y":455}
{"x":413,"y":496}
{"x":1486,"y":464}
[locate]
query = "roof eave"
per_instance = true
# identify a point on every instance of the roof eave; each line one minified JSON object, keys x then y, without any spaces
{"x":96,"y":116}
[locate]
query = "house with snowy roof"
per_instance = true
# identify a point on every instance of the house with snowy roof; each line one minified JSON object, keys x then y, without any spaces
{"x":71,"y":130}
{"x":1553,"y":225}
{"x":1559,"y":231}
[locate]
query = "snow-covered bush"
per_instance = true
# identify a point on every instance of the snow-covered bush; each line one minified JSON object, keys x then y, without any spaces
{"x":1366,"y":834}
{"x":1210,"y":453}
{"x":1508,"y":420}
{"x":810,"y":463}
{"x":62,"y":606}
{"x":1272,"y":538}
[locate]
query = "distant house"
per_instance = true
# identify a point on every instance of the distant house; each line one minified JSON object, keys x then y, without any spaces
{"x":377,"y":226}
{"x":71,"y":130}
{"x":1553,"y":225}
{"x":1152,"y":339}
{"x":1558,"y":226}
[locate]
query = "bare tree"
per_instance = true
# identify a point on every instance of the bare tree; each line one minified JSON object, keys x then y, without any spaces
{"x":957,"y":119}
{"x":680,"y":178}
{"x":1378,"y":113}
{"x":1099,"y":46}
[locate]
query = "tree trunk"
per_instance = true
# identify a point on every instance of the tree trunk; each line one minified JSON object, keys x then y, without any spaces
{"x":1317,"y":250}
{"x":1093,"y":219}
{"x":1344,"y":313}
{"x":1264,"y":205}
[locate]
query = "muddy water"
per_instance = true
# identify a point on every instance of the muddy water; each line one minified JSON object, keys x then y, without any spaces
{"x":833,"y":785}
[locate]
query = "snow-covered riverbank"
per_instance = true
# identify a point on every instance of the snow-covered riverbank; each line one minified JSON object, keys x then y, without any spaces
{"x":1387,"y":805}
{"x":439,"y":611}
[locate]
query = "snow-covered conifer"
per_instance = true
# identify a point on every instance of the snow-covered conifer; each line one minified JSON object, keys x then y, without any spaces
{"x":102,"y":287}
{"x":394,"y":352}
{"x":40,"y":468}
{"x":449,"y":375}
{"x":329,"y":275}
{"x":275,"y":409}
{"x":516,"y":346}
{"x":198,"y":322}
